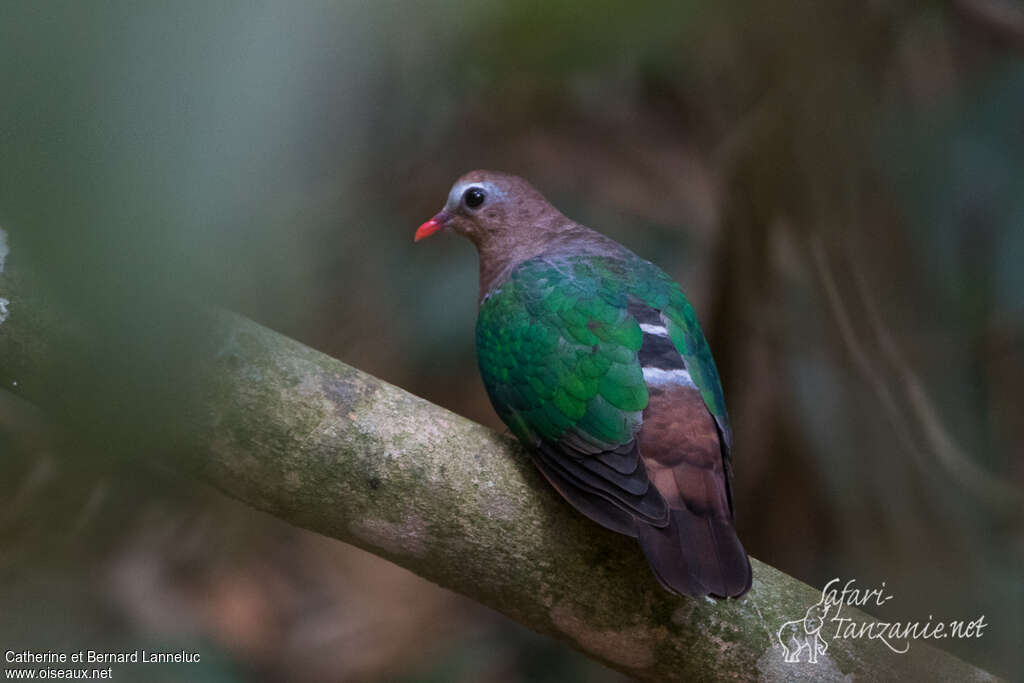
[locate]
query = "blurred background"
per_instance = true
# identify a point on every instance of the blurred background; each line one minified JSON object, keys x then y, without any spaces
{"x":838,"y":186}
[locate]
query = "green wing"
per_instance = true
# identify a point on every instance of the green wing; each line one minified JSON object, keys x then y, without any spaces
{"x":557,"y":349}
{"x":559,"y":359}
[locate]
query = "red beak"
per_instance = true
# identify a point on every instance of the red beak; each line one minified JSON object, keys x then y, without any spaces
{"x":430,"y":227}
{"x":426,"y":230}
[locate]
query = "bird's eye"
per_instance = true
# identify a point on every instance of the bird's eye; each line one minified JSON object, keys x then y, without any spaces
{"x":474,"y":197}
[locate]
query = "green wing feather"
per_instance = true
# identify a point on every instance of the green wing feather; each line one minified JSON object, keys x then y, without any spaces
{"x":558,"y":359}
{"x":557,"y":349}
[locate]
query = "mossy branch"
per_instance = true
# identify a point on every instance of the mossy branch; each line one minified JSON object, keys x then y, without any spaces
{"x":332,"y":449}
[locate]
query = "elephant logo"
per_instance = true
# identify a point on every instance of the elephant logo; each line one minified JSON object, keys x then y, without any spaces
{"x":805,"y":634}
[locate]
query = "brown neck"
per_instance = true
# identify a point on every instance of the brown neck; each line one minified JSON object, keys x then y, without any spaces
{"x":502,"y":250}
{"x":495,"y":263}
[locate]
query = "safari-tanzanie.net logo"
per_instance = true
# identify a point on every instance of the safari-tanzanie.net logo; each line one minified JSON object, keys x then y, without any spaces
{"x":825,"y":621}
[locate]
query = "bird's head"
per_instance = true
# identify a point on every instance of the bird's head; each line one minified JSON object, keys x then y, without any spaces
{"x":494,"y":210}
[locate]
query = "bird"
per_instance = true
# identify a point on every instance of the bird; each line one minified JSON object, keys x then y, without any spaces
{"x":594,"y":359}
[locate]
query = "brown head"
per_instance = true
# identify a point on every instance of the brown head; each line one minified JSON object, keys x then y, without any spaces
{"x":503,"y":215}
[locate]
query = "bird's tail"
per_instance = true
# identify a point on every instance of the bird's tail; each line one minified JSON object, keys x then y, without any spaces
{"x":696,"y":555}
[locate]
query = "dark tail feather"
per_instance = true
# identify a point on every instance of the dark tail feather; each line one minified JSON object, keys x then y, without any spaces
{"x":696,"y":556}
{"x":594,"y":506}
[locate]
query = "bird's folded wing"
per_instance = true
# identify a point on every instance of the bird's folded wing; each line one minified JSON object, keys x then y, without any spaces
{"x":559,"y":360}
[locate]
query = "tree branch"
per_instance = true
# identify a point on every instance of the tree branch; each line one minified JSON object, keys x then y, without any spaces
{"x":326,"y":447}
